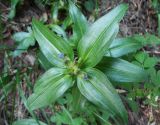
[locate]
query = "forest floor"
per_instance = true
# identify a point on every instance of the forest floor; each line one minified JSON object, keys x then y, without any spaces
{"x":140,"y":18}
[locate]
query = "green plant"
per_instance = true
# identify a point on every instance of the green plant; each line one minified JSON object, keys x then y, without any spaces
{"x":24,"y":41}
{"x":156,"y":6}
{"x":131,"y":44}
{"x":148,"y":91}
{"x":14,"y":4}
{"x":151,"y":88}
{"x":76,"y":68}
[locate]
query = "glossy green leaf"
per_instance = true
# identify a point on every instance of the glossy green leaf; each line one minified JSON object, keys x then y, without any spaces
{"x":121,"y":71}
{"x":44,"y":62}
{"x":12,"y":12}
{"x":78,"y":103}
{"x":96,"y":41}
{"x":20,"y":36}
{"x":95,"y":86}
{"x":80,"y":23}
{"x":94,"y":53}
{"x":67,"y":22}
{"x":24,"y":45}
{"x":123,"y":46}
{"x":57,"y":29}
{"x":51,"y":45}
{"x":49,"y":87}
{"x":24,"y":41}
{"x":28,"y":122}
{"x":54,"y":11}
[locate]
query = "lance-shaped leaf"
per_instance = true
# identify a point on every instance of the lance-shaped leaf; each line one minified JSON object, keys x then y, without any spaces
{"x":44,"y":61}
{"x":51,"y":45}
{"x":95,"y":86}
{"x":59,"y":30}
{"x":28,"y":122}
{"x":99,"y":36}
{"x":123,"y":46}
{"x":95,"y":51}
{"x":80,"y":23}
{"x":121,"y":71}
{"x":49,"y":87}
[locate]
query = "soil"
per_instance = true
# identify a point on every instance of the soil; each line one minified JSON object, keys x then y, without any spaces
{"x":141,"y":18}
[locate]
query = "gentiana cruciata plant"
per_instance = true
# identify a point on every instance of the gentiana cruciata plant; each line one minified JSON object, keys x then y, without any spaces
{"x":80,"y":61}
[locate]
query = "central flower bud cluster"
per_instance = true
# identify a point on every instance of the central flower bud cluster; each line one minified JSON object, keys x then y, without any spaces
{"x":73,"y":68}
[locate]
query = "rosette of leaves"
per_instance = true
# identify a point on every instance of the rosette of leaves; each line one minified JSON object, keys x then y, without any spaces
{"x":77,"y":69}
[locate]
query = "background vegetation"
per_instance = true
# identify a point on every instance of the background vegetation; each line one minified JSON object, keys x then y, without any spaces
{"x":22,"y":62}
